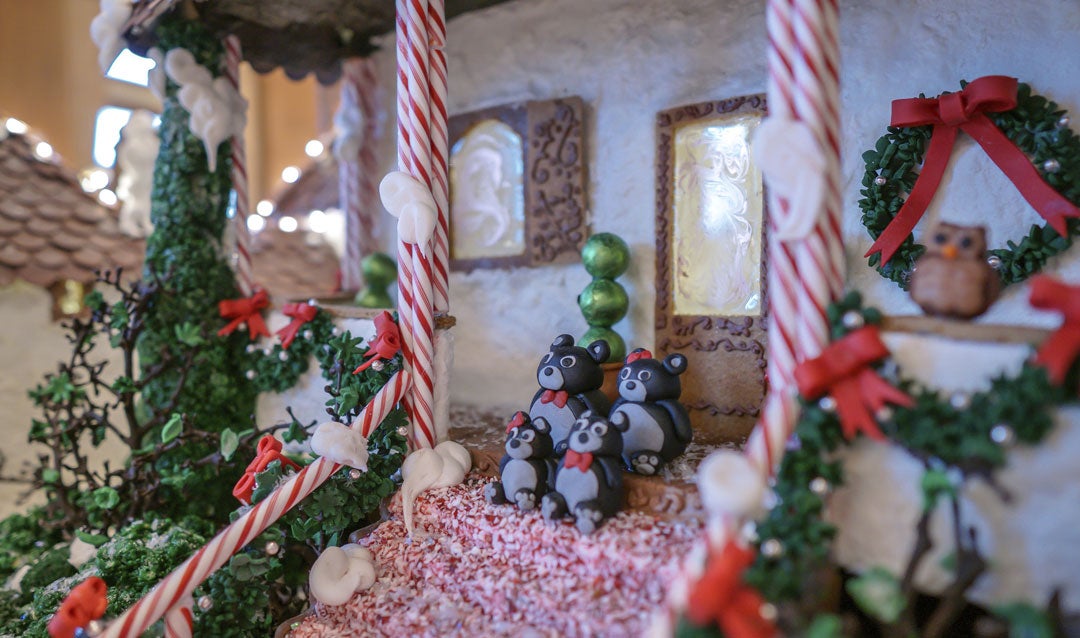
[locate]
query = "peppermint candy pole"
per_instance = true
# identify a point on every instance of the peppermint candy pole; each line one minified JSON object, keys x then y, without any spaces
{"x":173,"y":594}
{"x":415,"y":281}
{"x":179,"y":622}
{"x":244,"y":277}
{"x":356,"y":173}
{"x":440,"y":179}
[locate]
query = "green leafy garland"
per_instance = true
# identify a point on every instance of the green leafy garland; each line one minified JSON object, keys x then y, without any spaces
{"x":1037,"y":126}
{"x":968,"y":434}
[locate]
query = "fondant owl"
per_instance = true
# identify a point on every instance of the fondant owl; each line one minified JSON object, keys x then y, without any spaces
{"x":952,"y":278}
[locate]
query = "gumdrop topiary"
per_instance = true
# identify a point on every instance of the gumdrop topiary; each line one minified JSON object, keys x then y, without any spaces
{"x":604,"y":302}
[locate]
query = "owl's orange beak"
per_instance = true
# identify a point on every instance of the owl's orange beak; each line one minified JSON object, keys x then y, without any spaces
{"x":949,"y":251}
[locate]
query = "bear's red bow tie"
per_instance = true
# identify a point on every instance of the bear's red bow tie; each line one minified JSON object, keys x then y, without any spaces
{"x":578,"y":460}
{"x":560,"y":397}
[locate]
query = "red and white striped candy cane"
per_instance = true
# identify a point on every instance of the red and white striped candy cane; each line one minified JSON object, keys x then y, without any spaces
{"x":356,"y":175}
{"x":415,"y":281}
{"x":171,"y":592}
{"x":805,"y":275}
{"x":440,"y":184}
{"x":179,"y":622}
{"x":244,"y":277}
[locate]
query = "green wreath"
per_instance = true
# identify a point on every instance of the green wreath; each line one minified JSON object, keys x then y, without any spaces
{"x":1036,"y":126}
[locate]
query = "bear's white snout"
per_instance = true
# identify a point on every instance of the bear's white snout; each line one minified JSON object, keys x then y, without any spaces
{"x":632,"y":390}
{"x":550,"y":378}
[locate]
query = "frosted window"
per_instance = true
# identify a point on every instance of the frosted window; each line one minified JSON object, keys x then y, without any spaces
{"x":107,"y":126}
{"x":128,"y":67}
{"x":487,"y":192}
{"x":718,"y":216}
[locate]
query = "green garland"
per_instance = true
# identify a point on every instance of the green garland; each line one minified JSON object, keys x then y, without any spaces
{"x":958,"y":432}
{"x":1037,"y":126}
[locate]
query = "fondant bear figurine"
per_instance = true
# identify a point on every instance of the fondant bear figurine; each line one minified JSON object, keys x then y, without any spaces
{"x":570,"y":378}
{"x":527,"y":470}
{"x":659,"y":427}
{"x":588,"y":481}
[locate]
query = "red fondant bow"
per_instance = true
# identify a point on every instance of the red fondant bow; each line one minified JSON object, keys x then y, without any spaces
{"x":559,"y":397}
{"x":86,"y":602}
{"x":386,"y":343}
{"x":268,"y":451}
{"x":301,"y":313}
{"x":720,"y":597}
{"x":516,"y":422}
{"x":640,"y":353}
{"x":245,"y":310}
{"x":966,"y":111}
{"x":579,"y":460}
{"x":1060,"y":351}
{"x":843,"y":370}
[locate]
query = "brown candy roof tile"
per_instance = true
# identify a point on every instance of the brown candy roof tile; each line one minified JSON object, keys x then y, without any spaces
{"x":46,"y":221}
{"x":289,"y":266}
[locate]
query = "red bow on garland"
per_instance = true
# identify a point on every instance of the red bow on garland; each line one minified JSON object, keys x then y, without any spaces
{"x":639,"y":353}
{"x":966,"y":111}
{"x":579,"y":460}
{"x":245,"y":310}
{"x":720,"y":597}
{"x":268,"y":451}
{"x":386,"y":343}
{"x":843,"y":370}
{"x":301,"y":313}
{"x":86,"y":602}
{"x":1060,"y":351}
{"x":559,"y":397}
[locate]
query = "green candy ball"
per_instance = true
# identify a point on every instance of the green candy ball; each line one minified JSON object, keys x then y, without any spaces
{"x":605,"y":255}
{"x":603,"y":302}
{"x":614,"y":341}
{"x":371,"y":298}
{"x":379,"y":270}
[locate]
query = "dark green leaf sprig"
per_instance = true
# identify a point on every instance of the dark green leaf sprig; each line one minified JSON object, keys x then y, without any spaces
{"x":962,"y":432}
{"x":1037,"y":126}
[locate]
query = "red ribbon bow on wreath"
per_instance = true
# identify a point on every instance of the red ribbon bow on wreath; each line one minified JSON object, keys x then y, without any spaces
{"x":559,"y":397}
{"x":720,"y":596}
{"x":245,"y":310}
{"x":386,"y":343}
{"x":268,"y":451}
{"x":301,"y":313}
{"x":843,"y":370}
{"x":1061,"y":350}
{"x":579,"y":460}
{"x":86,"y":602}
{"x":966,"y":111}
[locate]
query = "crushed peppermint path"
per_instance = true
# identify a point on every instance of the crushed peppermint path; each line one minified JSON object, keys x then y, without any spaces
{"x":477,"y":569}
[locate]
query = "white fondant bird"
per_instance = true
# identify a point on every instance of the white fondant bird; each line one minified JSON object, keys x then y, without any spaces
{"x":411,"y":202}
{"x":341,"y":444}
{"x":794,"y":168}
{"x":340,"y":572}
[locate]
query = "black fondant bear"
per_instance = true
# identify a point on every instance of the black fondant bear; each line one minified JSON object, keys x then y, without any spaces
{"x":570,"y":378}
{"x":659,"y":427}
{"x":527,"y":470}
{"x":588,"y":481}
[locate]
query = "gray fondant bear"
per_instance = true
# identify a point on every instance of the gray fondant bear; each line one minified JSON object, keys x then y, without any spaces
{"x":527,"y":469}
{"x":570,"y":378}
{"x":588,"y":481}
{"x":659,"y":427}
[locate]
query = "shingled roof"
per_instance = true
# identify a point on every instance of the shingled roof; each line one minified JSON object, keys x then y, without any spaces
{"x":50,"y":230}
{"x":294,"y":265}
{"x":312,"y":36}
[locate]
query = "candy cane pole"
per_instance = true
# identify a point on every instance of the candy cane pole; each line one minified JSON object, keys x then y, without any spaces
{"x":805,"y":275}
{"x":179,"y":622}
{"x":356,"y":175}
{"x":415,"y":158}
{"x":244,"y":277}
{"x":440,"y":185}
{"x":170,"y":593}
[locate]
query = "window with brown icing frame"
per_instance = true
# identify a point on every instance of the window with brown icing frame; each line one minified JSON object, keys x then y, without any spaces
{"x":710,"y":261}
{"x":517,"y":185}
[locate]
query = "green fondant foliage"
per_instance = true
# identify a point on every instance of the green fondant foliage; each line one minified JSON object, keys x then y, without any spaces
{"x":1033,"y":126}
